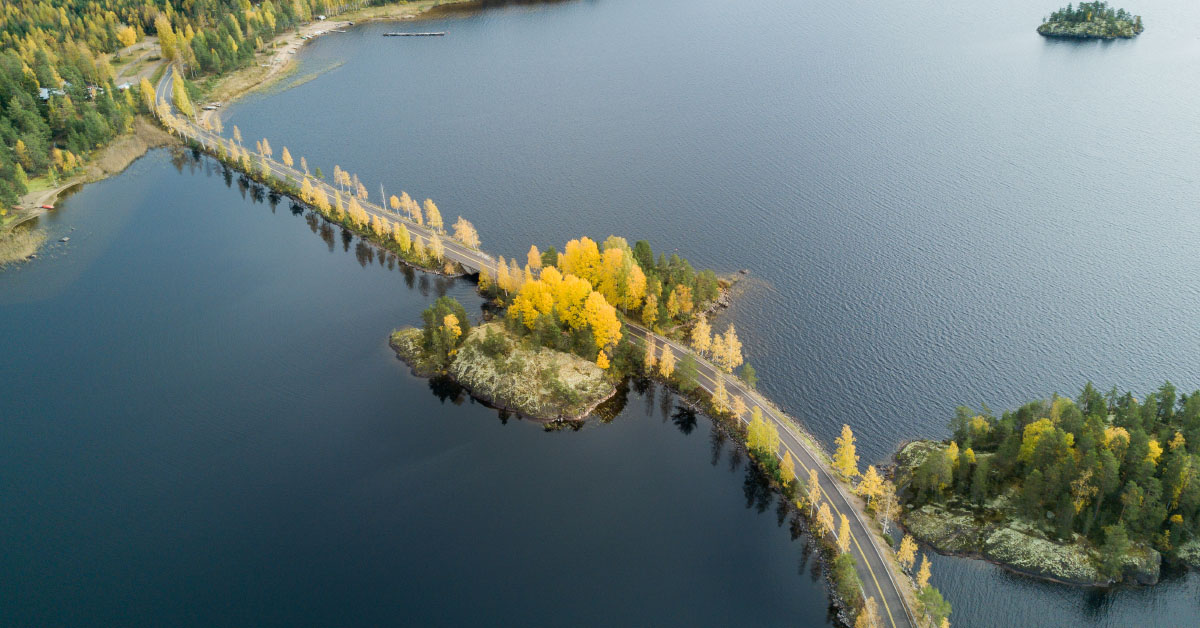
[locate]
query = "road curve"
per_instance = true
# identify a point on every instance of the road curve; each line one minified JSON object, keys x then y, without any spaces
{"x":878,"y":579}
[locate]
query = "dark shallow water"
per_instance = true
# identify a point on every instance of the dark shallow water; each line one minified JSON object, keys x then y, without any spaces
{"x":938,"y":207}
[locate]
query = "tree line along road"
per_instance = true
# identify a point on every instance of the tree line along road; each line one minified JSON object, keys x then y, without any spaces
{"x":873,"y":568}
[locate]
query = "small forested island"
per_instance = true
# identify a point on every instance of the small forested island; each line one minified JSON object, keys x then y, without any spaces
{"x":1091,"y":20}
{"x":1094,"y":491}
{"x":558,"y":350}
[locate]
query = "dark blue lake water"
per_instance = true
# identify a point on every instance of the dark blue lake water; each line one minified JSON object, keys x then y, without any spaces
{"x":937,"y":206}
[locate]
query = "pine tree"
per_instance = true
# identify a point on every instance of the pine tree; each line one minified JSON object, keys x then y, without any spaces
{"x":845,"y":460}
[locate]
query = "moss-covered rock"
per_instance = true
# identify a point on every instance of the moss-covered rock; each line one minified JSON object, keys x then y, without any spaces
{"x":500,"y":369}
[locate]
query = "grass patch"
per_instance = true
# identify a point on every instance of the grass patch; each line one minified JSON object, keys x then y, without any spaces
{"x":18,"y":244}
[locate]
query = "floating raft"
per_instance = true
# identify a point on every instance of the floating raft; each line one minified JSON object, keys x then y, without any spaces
{"x":438,"y":34}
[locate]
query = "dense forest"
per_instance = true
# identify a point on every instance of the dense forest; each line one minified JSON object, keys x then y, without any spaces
{"x":1110,"y":467}
{"x":58,"y":97}
{"x":575,"y":301}
{"x":1091,"y":19}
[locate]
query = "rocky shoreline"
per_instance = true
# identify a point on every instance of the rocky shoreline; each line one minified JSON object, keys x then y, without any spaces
{"x":962,"y":529}
{"x":536,"y":383}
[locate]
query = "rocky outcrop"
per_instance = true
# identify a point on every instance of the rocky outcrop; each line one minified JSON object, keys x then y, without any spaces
{"x":497,"y":368}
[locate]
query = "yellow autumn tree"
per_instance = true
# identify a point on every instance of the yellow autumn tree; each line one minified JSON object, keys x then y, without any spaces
{"x":907,"y":554}
{"x":727,"y":353}
{"x":843,"y":535}
{"x":402,"y":239}
{"x":787,"y":467}
{"x":739,"y":406}
{"x":923,"y":573}
{"x":127,"y":36}
{"x":666,"y":363}
{"x":649,"y":360}
{"x":450,"y":322}
{"x":701,"y":336}
{"x":679,"y":302}
{"x":871,"y":485}
{"x":602,"y":318}
{"x":868,"y":617}
{"x":433,"y":217}
{"x":581,"y":258}
{"x":761,"y":435}
{"x":533,"y":259}
{"x":166,"y":37}
{"x":320,"y":200}
{"x":465,"y":232}
{"x":179,"y":93}
{"x":824,"y":520}
{"x":720,"y":397}
{"x":436,"y":248}
{"x":845,"y":459}
{"x":814,"y":490}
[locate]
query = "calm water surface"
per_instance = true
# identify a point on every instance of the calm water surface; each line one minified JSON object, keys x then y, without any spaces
{"x":937,"y":205}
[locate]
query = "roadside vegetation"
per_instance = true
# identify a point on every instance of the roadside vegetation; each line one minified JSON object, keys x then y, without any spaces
{"x":1111,"y":476}
{"x":1091,"y":20}
{"x":59,"y":100}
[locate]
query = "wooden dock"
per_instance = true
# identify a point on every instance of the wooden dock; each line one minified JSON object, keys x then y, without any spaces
{"x":437,"y":34}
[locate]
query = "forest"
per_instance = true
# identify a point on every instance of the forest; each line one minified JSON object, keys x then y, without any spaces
{"x":575,"y":302}
{"x":1110,"y":467}
{"x":58,"y":58}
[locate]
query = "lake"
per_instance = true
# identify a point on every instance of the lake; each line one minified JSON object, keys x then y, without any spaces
{"x":936,"y":206}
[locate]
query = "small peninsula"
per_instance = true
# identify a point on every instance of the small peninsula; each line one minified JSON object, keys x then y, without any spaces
{"x":1091,"y":20}
{"x":1094,"y":492}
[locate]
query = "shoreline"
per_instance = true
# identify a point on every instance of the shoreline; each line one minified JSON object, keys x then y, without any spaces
{"x":113,"y":158}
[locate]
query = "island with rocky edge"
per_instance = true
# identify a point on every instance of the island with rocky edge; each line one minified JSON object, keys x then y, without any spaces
{"x":501,"y":369}
{"x":1097,"y":491}
{"x":1091,"y":20}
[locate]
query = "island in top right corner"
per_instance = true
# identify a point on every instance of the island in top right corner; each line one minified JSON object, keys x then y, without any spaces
{"x":1091,"y":20}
